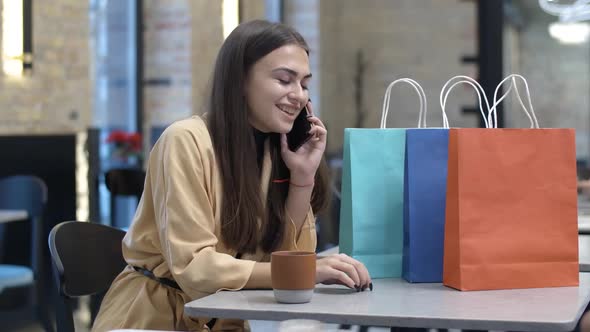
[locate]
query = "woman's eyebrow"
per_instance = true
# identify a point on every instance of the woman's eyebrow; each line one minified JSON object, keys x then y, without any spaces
{"x":290,"y":71}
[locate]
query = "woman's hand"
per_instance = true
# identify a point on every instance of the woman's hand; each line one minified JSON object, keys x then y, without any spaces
{"x":304,"y":162}
{"x":343,"y":270}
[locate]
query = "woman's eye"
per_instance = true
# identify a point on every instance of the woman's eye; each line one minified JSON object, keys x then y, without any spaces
{"x":304,"y":87}
{"x":284,"y":82}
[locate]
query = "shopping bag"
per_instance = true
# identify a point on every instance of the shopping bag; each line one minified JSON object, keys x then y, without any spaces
{"x":424,"y":203}
{"x":425,"y":196}
{"x":371,"y":216}
{"x":511,"y":206}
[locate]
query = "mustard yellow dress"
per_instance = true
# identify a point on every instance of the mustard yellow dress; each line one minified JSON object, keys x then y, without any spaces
{"x":176,"y":234}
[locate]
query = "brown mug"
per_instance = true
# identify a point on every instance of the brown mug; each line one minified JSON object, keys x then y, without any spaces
{"x":293,"y":275}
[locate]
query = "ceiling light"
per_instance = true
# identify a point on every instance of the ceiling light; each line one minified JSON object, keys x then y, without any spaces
{"x":570,"y":32}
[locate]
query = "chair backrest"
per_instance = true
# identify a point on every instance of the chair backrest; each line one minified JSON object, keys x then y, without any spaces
{"x":23,"y":192}
{"x":86,"y":256}
{"x":125,"y":181}
{"x":86,"y":259}
{"x":26,"y":192}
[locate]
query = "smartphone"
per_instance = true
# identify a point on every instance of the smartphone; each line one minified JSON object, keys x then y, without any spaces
{"x":299,"y":134}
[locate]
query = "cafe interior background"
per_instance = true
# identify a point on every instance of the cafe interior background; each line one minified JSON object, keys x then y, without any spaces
{"x":80,"y":79}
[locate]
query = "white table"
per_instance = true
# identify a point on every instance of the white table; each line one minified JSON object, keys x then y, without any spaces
{"x":395,"y":302}
{"x":583,"y":224}
{"x":584,"y":252}
{"x":584,"y":204}
{"x":583,"y":249}
{"x":12,"y":215}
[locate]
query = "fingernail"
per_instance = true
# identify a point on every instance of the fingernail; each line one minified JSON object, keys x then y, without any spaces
{"x":371,"y":286}
{"x":363,"y":289}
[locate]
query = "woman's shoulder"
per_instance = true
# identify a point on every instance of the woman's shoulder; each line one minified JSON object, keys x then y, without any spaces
{"x":191,"y":130}
{"x":195,"y":125}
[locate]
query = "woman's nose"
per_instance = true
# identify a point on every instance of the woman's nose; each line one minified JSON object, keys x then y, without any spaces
{"x":298,"y":95}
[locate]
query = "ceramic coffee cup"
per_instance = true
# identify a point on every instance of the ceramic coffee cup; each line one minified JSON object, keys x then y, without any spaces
{"x":293,"y":275}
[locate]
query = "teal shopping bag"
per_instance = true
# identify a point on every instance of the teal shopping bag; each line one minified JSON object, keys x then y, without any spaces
{"x":372,"y":193}
{"x":372,"y":209}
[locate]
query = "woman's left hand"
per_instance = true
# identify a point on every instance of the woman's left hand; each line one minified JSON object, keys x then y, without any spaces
{"x":343,"y":270}
{"x":304,"y":162}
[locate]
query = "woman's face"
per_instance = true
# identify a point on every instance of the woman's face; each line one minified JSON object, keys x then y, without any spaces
{"x":276,"y":89}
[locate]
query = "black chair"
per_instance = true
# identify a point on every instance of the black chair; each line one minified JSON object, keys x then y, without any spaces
{"x":29,"y":193}
{"x":86,"y":259}
{"x":123,"y":182}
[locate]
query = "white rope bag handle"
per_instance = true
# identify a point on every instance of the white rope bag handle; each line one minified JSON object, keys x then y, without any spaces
{"x":444,"y":94}
{"x":421,"y":95}
{"x":530,"y":112}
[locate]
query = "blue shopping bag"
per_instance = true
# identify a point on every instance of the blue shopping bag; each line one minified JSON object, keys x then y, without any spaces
{"x":371,"y":215}
{"x":425,"y":185}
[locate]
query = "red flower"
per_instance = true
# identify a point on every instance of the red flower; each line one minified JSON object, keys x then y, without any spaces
{"x":125,"y":144}
{"x":135,"y":141}
{"x":117,"y":136}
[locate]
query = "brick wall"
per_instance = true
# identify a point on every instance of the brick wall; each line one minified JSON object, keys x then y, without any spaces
{"x":423,"y":40}
{"x":420,"y":39}
{"x":207,"y":38}
{"x":183,"y":55}
{"x":56,"y":97}
{"x":167,"y":37}
{"x":304,"y":15}
{"x":252,"y":9}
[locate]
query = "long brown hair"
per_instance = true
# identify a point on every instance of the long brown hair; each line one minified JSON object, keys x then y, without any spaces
{"x":233,"y":142}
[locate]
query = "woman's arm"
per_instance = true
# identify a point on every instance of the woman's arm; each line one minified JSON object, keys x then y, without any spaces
{"x":180,"y":176}
{"x":260,"y":277}
{"x":298,"y":201}
{"x":303,"y":165}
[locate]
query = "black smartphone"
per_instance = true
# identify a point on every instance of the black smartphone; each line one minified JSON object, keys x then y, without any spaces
{"x":299,"y":134}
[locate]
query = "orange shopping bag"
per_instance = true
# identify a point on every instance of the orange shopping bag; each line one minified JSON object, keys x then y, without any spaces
{"x":511,"y":207}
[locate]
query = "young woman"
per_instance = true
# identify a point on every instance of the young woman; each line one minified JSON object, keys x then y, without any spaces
{"x":223,"y":191}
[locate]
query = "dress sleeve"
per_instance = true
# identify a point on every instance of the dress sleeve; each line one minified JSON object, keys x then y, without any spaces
{"x":185,"y":219}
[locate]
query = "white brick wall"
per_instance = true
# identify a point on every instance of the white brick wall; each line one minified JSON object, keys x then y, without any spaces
{"x":304,"y":15}
{"x":56,"y":97}
{"x":423,"y":40}
{"x":207,"y":38}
